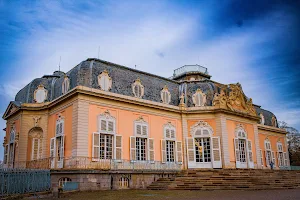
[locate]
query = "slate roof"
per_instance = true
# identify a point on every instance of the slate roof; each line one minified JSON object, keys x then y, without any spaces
{"x":86,"y":74}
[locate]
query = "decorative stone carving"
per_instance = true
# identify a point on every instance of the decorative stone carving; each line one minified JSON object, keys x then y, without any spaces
{"x":165,"y":95}
{"x":105,"y":81}
{"x":65,"y":85}
{"x":4,"y":141}
{"x":36,"y":132}
{"x":40,"y":94}
{"x":138,"y":88}
{"x":235,"y":101}
{"x":36,"y":120}
{"x":140,"y":119}
{"x":200,"y":125}
{"x":240,"y":131}
{"x":199,"y":98}
{"x":106,"y":115}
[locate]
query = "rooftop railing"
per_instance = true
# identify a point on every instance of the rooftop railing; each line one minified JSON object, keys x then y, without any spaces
{"x":190,"y":68}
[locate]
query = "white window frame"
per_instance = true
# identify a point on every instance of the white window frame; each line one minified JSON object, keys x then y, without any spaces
{"x":280,"y":156}
{"x":58,"y":162}
{"x":168,"y":129}
{"x":268,"y":148}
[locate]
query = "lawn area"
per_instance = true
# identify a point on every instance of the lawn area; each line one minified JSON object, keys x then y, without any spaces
{"x":182,"y":195}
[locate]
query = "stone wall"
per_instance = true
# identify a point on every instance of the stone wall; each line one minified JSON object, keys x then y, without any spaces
{"x":90,"y":180}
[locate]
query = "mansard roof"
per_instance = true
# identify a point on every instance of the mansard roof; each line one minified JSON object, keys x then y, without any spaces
{"x":86,"y":74}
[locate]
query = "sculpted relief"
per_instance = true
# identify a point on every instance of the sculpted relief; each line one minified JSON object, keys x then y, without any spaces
{"x":234,"y":101}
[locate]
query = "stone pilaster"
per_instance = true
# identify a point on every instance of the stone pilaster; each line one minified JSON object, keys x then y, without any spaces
{"x":221,"y":131}
{"x":257,"y":148}
{"x":184,"y":136}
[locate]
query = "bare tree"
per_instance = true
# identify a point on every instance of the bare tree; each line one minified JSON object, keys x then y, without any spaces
{"x":293,"y":140}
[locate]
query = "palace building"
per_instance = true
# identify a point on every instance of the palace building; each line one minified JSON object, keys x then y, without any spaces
{"x":102,"y":115}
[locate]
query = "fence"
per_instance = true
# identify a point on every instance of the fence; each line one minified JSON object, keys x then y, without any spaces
{"x":295,"y":167}
{"x":21,"y":181}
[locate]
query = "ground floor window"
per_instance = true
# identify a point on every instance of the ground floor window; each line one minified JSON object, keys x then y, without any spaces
{"x":242,"y":150}
{"x":170,"y":146}
{"x":123,"y":183}
{"x":280,"y":159}
{"x":268,"y":157}
{"x":202,"y":150}
{"x":141,"y":148}
{"x":106,"y":146}
{"x":63,"y":180}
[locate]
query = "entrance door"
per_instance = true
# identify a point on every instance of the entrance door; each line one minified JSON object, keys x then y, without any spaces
{"x":243,"y":153}
{"x":203,"y":152}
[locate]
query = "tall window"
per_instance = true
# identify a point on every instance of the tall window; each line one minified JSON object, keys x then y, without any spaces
{"x":11,"y":146}
{"x":35,"y":148}
{"x":280,"y":154}
{"x":141,"y":147}
{"x":5,"y":160}
{"x":106,"y":143}
{"x":268,"y":152}
{"x":57,"y":144}
{"x":168,"y":144}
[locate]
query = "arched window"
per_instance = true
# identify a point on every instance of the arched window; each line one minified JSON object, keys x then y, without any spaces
{"x":35,"y":136}
{"x":141,"y":146}
{"x":63,"y":180}
{"x":106,"y":144}
{"x":262,"y":119}
{"x":165,"y":95}
{"x":280,"y":156}
{"x":40,"y":94}
{"x":65,"y":85}
{"x":203,"y":149}
{"x":243,"y":148}
{"x":269,"y":154}
{"x":168,"y":144}
{"x":138,"y":88}
{"x":199,"y":98}
{"x":104,"y":81}
{"x":123,"y":183}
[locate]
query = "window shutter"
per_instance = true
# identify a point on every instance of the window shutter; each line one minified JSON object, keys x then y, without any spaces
{"x":285,"y":159}
{"x":179,"y":152}
{"x":145,"y":131}
{"x":138,"y":129}
{"x":216,"y":148}
{"x":96,"y":147}
{"x":261,"y":157}
{"x":163,"y":151}
{"x":237,"y":153}
{"x":60,"y":128}
{"x":35,"y":148}
{"x":62,"y":152}
{"x":52,"y":151}
{"x":250,"y":154}
{"x":119,"y":147}
{"x":103,"y":125}
{"x":110,"y":126}
{"x":190,"y":143}
{"x":151,"y":149}
{"x":132,"y":148}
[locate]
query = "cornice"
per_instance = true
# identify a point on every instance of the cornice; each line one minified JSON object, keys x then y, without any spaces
{"x":271,"y":129}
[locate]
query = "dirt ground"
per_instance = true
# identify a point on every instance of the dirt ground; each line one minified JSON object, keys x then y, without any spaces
{"x":293,"y":194}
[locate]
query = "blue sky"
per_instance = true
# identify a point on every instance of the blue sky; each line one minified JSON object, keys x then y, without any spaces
{"x":253,"y":42}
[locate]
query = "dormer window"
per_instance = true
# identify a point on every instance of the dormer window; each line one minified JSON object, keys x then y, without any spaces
{"x":274,"y":121}
{"x":165,"y":95}
{"x":199,"y":98}
{"x":65,"y":85}
{"x":40,"y":94}
{"x":105,"y":81}
{"x":262,"y":119}
{"x":138,"y":88}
